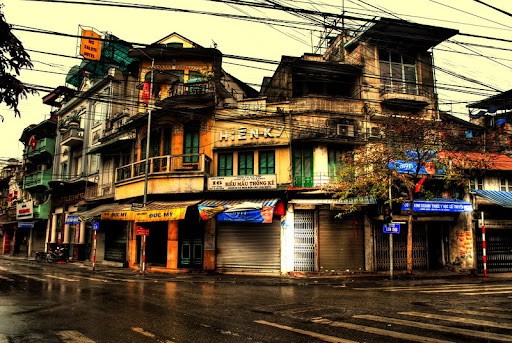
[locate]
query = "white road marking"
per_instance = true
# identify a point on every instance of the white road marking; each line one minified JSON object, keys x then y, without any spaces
{"x":144,"y":332}
{"x":91,"y":278}
{"x":480,"y":313}
{"x":3,"y":338}
{"x":415,"y":288}
{"x":33,"y":278}
{"x":488,"y":292}
{"x":381,"y":332}
{"x":60,"y":278}
{"x":71,"y":336}
{"x":478,"y":322}
{"x":499,"y":309}
{"x":316,"y":335}
{"x":440,"y":328}
{"x":6,"y":278}
{"x":463,"y":289}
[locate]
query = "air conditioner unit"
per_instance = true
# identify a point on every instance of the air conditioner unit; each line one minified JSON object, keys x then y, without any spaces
{"x":344,"y":130}
{"x":375,"y":132}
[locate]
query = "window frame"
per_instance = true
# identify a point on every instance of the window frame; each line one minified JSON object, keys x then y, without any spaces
{"x":246,"y":157}
{"x":264,"y":155}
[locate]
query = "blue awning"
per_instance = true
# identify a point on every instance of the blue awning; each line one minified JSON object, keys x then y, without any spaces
{"x":247,"y":210}
{"x":501,"y":198}
{"x":439,"y":205}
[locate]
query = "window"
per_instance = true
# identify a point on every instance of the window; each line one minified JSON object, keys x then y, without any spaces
{"x":64,"y":171}
{"x":397,"y":72}
{"x":246,"y":163}
{"x":506,"y":184}
{"x":191,"y":143}
{"x":225,"y":164}
{"x":335,"y":162}
{"x":267,"y":162}
{"x":476,"y":183}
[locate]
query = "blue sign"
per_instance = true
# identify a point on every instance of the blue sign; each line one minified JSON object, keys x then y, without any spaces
{"x":391,"y":228}
{"x":445,"y":205}
{"x":25,"y":225}
{"x":72,"y":219}
{"x":95,"y":226}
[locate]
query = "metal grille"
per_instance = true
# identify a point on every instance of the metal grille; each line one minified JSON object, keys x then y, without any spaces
{"x":419,"y":248}
{"x":304,"y":241}
{"x":499,"y":250}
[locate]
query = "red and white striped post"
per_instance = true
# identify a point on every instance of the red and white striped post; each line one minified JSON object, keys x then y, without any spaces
{"x":95,"y":236}
{"x":143,"y":255}
{"x":484,"y":246}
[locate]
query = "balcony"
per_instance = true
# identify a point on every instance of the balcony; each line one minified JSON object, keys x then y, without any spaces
{"x":190,"y":95}
{"x":43,"y":210}
{"x":185,"y":173}
{"x":73,"y":137}
{"x":99,"y":192}
{"x":406,"y":96}
{"x":38,"y":179}
{"x":314,"y":181}
{"x":44,"y":148}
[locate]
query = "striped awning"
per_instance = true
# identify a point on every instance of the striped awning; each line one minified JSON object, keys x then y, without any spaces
{"x":501,"y":198}
{"x":215,"y":203}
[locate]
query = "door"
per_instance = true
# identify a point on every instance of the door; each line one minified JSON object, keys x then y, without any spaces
{"x":191,"y":236}
{"x":304,"y":248}
{"x":302,"y":166}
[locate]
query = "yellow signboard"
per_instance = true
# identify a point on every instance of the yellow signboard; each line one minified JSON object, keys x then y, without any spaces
{"x":90,"y":45}
{"x":117,"y":215}
{"x":176,"y":213}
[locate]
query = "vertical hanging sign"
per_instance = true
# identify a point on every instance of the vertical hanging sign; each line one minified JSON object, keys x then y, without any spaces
{"x":90,"y":45}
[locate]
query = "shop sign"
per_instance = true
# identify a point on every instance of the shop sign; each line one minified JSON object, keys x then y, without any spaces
{"x":176,"y":213}
{"x":90,"y":45}
{"x":117,"y":215}
{"x":438,"y":206}
{"x":72,"y":219}
{"x":25,"y":210}
{"x":229,"y":183}
{"x":25,"y":225}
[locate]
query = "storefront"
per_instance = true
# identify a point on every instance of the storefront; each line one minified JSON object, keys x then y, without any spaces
{"x":168,"y":234}
{"x":247,"y":234}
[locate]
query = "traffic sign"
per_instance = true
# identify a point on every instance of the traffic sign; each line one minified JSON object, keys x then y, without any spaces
{"x":95,"y":226}
{"x":391,"y":228}
{"x":137,"y":206}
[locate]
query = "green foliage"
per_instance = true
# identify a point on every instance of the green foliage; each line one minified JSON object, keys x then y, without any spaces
{"x":13,"y":58}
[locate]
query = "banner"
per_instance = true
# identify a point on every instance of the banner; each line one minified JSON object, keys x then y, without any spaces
{"x":176,"y":213}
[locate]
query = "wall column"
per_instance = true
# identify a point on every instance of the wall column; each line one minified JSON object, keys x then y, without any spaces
{"x":172,"y":244}
{"x":81,"y":239}
{"x":65,"y":239}
{"x":53,"y":231}
{"x":209,"y":258}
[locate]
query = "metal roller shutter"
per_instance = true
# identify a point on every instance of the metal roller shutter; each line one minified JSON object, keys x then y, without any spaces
{"x":249,"y":247}
{"x":499,"y":250}
{"x":341,"y":242}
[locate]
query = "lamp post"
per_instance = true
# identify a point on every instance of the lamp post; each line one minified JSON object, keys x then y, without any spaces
{"x":146,"y":170}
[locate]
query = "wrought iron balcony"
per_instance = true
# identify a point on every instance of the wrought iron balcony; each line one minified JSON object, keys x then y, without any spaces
{"x":166,"y":165}
{"x":72,"y":137}
{"x":38,"y":179}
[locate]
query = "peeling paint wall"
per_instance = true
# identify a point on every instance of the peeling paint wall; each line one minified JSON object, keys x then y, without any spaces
{"x":462,"y":243}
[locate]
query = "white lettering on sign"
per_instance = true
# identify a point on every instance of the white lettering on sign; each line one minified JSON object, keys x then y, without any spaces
{"x":243,"y":133}
{"x":267,"y":181}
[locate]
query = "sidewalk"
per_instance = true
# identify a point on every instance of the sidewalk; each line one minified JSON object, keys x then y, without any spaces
{"x":302,"y":279}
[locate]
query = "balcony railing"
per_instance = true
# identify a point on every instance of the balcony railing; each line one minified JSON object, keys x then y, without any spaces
{"x":72,"y":137}
{"x":45,"y":145}
{"x":100,"y":191}
{"x":316,"y":180}
{"x":169,"y":164}
{"x":40,"y":178}
{"x":42,"y":211}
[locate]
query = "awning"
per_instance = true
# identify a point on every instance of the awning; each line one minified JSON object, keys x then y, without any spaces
{"x":501,"y":198}
{"x":241,"y":210}
{"x":95,"y":211}
{"x":439,"y":205}
{"x":153,"y":212}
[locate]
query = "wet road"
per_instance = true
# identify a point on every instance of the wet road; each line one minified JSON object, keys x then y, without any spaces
{"x":45,"y":303}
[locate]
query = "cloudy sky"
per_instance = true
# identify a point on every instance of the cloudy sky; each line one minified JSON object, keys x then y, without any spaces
{"x":472,"y":65}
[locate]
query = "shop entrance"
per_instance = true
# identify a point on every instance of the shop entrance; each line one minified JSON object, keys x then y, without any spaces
{"x":191,"y":235}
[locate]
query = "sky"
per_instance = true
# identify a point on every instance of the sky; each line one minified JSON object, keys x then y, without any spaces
{"x":471,"y":66}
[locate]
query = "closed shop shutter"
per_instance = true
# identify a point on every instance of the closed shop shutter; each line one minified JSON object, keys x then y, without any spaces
{"x":249,"y":247}
{"x":341,"y":242}
{"x":115,"y":241}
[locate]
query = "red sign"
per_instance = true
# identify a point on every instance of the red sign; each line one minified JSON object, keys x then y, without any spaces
{"x":140,"y":231}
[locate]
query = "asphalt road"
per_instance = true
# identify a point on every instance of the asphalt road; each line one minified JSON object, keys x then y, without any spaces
{"x":48,"y":303}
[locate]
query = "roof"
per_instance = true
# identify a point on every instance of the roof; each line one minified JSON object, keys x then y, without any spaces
{"x":387,"y":32}
{"x":501,"y":101}
{"x":501,"y":198}
{"x":96,"y":211}
{"x":478,"y":160}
